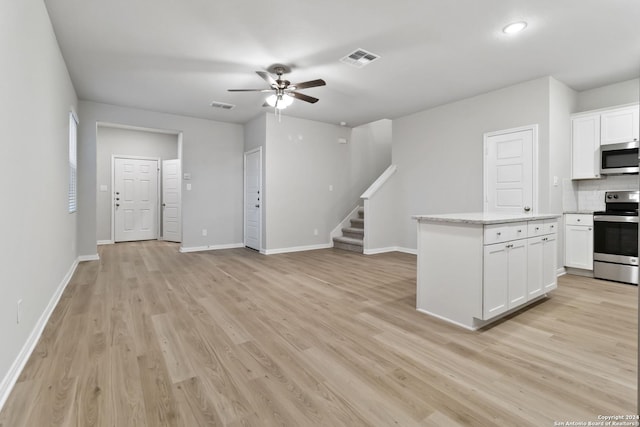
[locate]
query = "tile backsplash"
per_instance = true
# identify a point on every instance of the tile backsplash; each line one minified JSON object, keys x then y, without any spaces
{"x":588,"y":194}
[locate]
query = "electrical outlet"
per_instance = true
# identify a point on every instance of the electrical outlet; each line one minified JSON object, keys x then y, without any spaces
{"x":204,"y":231}
{"x":19,"y":311}
{"x":315,"y":231}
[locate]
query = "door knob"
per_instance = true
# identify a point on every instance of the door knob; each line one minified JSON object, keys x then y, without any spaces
{"x":164,"y":204}
{"x":117,"y":204}
{"x":527,"y":208}
{"x":257,"y":206}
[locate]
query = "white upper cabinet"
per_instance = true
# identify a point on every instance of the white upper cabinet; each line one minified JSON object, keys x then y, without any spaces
{"x":619,"y":125}
{"x":590,"y":130}
{"x":585,"y":146}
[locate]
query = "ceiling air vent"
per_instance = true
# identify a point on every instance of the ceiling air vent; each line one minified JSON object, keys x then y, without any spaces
{"x":359,"y":58}
{"x":223,"y":105}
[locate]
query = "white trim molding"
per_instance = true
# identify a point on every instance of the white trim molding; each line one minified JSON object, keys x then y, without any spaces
{"x":105,"y":242}
{"x":378,"y":183}
{"x":297,"y":249}
{"x":188,"y":249}
{"x":390,"y":249}
{"x":83,"y":258}
{"x":10,"y":379}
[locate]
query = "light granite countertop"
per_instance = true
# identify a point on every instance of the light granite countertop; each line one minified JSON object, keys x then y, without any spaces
{"x":483,"y":217}
{"x":579,"y":212}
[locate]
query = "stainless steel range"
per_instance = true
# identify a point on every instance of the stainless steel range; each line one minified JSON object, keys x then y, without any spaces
{"x":615,"y":238}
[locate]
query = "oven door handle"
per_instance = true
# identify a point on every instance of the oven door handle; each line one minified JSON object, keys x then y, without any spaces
{"x":614,"y":218}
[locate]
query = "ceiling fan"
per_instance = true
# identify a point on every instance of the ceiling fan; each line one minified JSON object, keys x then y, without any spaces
{"x":283,"y":90}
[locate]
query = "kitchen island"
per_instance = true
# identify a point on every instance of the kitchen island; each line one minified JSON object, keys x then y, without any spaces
{"x":474,"y":268}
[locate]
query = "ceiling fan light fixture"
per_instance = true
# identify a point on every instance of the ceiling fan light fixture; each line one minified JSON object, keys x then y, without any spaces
{"x":279,"y":101}
{"x":514,"y":27}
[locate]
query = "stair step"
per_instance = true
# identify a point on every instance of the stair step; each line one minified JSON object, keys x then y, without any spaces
{"x":357,"y":222}
{"x":348,"y":244}
{"x":356,"y":233}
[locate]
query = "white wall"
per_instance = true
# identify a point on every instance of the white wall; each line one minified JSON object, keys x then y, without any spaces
{"x":211,"y":152}
{"x":303,"y":158}
{"x":562,"y":102}
{"x":38,"y":250}
{"x":118,"y":141}
{"x":439,"y":152}
{"x":625,"y":92}
{"x":369,"y":155}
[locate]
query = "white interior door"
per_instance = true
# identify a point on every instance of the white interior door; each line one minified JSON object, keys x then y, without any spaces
{"x":171,"y":201}
{"x":509,"y":171}
{"x":253,"y":199}
{"x":135,"y":183}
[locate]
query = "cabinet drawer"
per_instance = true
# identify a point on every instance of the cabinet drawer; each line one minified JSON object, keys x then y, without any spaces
{"x":535,"y":228}
{"x":499,"y":233}
{"x":550,"y":226}
{"x":578,"y":219}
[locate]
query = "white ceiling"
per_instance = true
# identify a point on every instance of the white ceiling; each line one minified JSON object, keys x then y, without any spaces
{"x":178,"y":56}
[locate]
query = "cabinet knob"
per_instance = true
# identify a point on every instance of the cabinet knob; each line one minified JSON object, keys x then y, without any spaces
{"x":578,"y":220}
{"x":498,"y":233}
{"x":537,"y":228}
{"x":589,"y":228}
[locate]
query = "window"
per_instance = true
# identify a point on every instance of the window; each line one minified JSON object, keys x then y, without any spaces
{"x":73,"y":161}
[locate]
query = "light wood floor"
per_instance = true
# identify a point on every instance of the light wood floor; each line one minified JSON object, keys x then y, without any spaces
{"x":151,"y":337}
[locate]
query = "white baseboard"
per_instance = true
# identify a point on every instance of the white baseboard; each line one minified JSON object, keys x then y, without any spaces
{"x":390,"y":249}
{"x":296,"y":249}
{"x":561,"y":271}
{"x":9,"y":381}
{"x":210,"y":247}
{"x":104,"y":242}
{"x":94,"y":257}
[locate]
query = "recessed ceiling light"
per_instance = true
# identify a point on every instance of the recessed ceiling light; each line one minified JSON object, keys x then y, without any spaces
{"x":514,"y":27}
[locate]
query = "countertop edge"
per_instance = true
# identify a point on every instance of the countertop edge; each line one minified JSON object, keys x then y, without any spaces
{"x":468,"y":219}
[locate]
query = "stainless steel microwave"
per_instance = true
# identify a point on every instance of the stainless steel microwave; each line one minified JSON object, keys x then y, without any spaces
{"x":619,"y":158}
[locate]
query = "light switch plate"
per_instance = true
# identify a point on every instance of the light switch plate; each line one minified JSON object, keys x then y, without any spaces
{"x":189,"y":187}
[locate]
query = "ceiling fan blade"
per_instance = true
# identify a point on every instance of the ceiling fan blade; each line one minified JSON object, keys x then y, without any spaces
{"x":250,"y":90}
{"x":267,"y":78}
{"x":303,"y":97}
{"x":310,"y":83}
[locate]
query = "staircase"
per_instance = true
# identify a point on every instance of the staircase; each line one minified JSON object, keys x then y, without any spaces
{"x":352,"y":237}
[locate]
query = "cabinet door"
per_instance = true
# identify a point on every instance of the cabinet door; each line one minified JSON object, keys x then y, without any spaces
{"x":578,"y":247}
{"x":549,"y":262}
{"x":619,"y":126}
{"x":535,"y":267}
{"x":495,"y":281}
{"x":517,"y":258}
{"x":585,"y":147}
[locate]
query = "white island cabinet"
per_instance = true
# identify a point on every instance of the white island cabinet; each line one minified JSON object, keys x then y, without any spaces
{"x":474,"y":268}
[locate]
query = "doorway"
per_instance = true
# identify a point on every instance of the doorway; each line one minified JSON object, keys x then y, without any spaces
{"x":135,"y":199}
{"x":129,"y":142}
{"x":253,"y":199}
{"x":511,"y":170}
